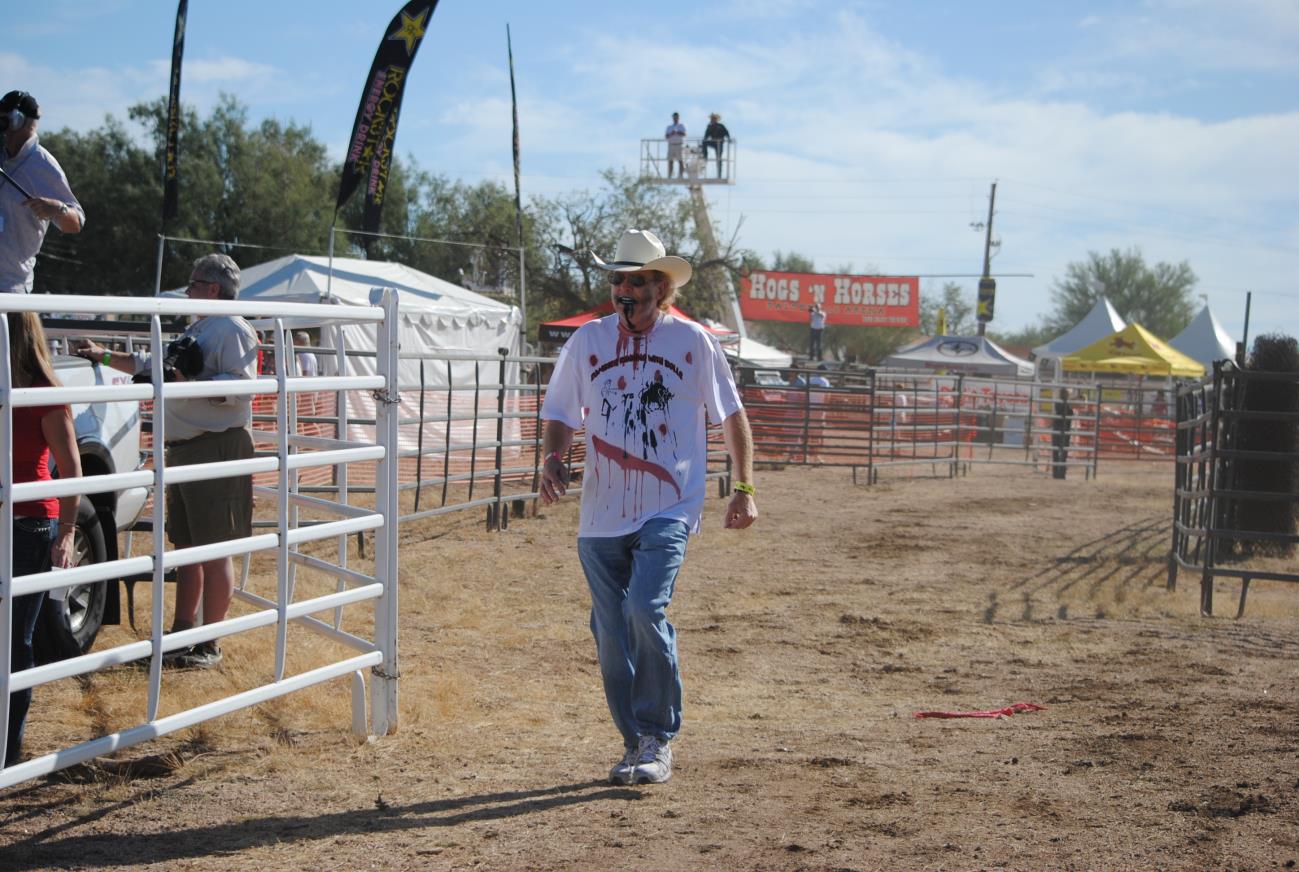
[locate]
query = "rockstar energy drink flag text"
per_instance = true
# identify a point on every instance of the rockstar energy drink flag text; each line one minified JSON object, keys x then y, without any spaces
{"x":369,"y":151}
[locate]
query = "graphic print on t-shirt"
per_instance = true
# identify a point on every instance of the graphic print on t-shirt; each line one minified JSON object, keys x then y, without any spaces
{"x":633,"y":430}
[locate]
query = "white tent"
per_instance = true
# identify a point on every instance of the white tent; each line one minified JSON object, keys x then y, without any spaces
{"x":973,"y":354}
{"x":753,"y":352}
{"x":749,"y":351}
{"x":1100,"y":322}
{"x":436,"y":316}
{"x":1205,"y":340}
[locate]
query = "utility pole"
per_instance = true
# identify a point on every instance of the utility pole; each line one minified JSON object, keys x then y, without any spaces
{"x":987,"y":284}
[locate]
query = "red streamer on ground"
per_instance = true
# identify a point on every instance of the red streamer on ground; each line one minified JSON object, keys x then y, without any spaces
{"x":1017,"y":708}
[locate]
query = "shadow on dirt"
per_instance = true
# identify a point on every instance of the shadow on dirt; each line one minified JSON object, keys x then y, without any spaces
{"x":1103,"y":570}
{"x":48,"y":849}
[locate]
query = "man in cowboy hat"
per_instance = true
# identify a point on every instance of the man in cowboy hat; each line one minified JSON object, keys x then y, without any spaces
{"x":641,"y":380}
{"x":34,"y":193}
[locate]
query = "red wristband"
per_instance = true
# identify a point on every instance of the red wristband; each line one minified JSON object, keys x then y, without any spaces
{"x":554,"y":455}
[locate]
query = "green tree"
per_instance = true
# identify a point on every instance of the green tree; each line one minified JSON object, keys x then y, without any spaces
{"x":1026,"y":337}
{"x":960,"y":311}
{"x":1158,"y":298}
{"x":268,"y":186}
{"x":118,"y":184}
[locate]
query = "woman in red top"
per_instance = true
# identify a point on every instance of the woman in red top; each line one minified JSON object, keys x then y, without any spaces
{"x":44,"y":530}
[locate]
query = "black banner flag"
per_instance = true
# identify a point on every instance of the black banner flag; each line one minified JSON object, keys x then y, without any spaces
{"x":170,"y":180}
{"x":514,"y":103}
{"x":369,"y":150}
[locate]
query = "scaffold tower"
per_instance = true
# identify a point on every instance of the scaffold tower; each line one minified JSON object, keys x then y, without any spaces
{"x":695,"y":170}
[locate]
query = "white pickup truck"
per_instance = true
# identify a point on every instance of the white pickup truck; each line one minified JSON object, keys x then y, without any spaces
{"x":108,"y":438}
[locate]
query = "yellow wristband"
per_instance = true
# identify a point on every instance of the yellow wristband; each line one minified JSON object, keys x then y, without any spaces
{"x":743,"y":487}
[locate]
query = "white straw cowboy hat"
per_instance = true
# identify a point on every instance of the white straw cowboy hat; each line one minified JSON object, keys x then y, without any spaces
{"x":640,"y":249}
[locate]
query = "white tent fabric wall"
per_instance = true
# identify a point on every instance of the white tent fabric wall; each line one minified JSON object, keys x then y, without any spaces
{"x":1103,"y":320}
{"x":438,"y":374}
{"x":437,"y":317}
{"x":1205,"y":340}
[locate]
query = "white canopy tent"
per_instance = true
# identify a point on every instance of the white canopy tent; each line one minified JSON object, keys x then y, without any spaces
{"x":1205,"y":340}
{"x":436,"y":317}
{"x":1100,"y":322}
{"x":973,"y":354}
{"x":754,"y":353}
{"x":748,"y":351}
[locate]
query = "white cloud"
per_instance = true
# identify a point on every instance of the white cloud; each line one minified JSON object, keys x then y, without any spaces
{"x":227,"y":70}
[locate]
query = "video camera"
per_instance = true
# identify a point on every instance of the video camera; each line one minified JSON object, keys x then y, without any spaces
{"x":183,"y":357}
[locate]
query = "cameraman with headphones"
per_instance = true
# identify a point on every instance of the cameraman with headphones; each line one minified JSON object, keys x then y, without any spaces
{"x":34,"y":193}
{"x":203,"y":430}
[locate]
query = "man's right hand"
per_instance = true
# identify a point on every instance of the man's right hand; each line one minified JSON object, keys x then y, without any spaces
{"x":89,"y":350}
{"x":554,"y":480}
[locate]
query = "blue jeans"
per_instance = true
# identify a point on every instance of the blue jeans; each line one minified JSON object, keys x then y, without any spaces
{"x":33,"y":540}
{"x":631,"y":579}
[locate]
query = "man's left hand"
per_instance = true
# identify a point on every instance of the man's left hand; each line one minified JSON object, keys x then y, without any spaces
{"x":741,"y":512}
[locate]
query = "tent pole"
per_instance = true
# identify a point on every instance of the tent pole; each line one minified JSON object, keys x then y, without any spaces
{"x":329,"y":280}
{"x":523,"y":306}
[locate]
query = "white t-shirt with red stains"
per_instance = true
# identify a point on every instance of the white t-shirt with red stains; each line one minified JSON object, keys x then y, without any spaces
{"x":643,"y":399}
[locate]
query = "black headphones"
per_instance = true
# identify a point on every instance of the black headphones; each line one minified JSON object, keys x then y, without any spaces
{"x":16,"y":108}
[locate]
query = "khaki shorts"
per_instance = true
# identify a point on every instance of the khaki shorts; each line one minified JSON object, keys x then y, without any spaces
{"x":204,"y":512}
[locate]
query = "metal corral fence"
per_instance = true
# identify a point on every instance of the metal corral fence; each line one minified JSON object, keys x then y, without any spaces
{"x":469,"y":433}
{"x":322,"y":611}
{"x":469,"y":424}
{"x":1211,"y":533}
{"x":873,"y":420}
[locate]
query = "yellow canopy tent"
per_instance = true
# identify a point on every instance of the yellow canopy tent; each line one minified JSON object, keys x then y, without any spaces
{"x":1134,"y":350}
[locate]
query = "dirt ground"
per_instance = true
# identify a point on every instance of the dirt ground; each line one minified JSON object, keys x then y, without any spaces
{"x":1168,"y":741}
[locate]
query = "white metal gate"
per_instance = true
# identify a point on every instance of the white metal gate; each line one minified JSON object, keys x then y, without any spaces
{"x":293,"y":452}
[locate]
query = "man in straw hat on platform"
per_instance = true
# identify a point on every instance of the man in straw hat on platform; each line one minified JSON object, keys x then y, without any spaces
{"x":640,"y":381}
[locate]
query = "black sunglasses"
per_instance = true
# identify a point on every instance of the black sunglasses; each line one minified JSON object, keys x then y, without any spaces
{"x":636,"y":281}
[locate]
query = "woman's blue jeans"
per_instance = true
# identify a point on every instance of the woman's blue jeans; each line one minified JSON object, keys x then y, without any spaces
{"x":33,"y":539}
{"x":631,"y":579}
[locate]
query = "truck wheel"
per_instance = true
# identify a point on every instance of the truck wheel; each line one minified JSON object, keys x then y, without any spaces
{"x":68,"y":627}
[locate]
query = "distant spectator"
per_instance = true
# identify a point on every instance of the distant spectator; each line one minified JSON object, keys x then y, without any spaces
{"x":715,"y":136}
{"x":265,"y":357}
{"x":816,"y":325}
{"x":818,"y":380}
{"x":307,"y":364}
{"x":676,"y":137}
{"x":1060,"y":435}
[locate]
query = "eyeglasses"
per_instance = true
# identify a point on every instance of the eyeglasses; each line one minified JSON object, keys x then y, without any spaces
{"x":636,"y":281}
{"x":194,"y":282}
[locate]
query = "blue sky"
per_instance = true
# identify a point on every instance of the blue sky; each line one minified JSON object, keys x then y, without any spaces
{"x":868,"y":132}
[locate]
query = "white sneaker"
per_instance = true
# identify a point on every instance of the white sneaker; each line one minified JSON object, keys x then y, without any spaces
{"x":653,"y":761}
{"x":622,"y":770}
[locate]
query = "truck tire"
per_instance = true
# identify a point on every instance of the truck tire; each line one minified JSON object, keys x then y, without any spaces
{"x":68,"y":627}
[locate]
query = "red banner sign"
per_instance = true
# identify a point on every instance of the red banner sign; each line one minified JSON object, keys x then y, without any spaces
{"x":849,"y":301}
